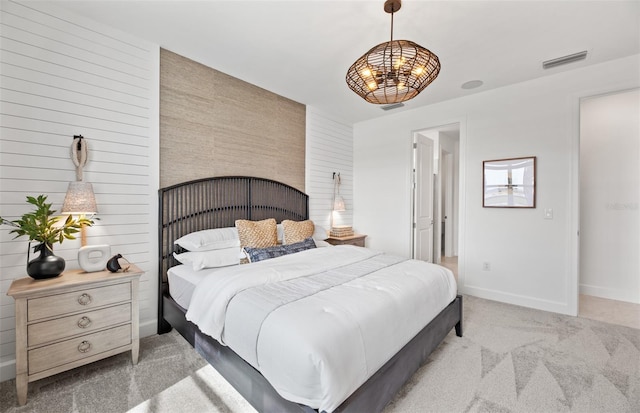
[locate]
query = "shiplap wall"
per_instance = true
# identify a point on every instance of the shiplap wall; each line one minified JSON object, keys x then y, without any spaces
{"x":62,"y":75}
{"x":329,"y":145}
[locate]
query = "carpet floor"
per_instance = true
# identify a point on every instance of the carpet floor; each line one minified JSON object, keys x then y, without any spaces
{"x":511,"y":359}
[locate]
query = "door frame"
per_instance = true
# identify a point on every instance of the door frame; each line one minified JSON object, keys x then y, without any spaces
{"x":573,"y":299}
{"x":459,"y":195}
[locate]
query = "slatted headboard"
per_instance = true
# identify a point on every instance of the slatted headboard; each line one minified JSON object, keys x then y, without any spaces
{"x":217,"y":203}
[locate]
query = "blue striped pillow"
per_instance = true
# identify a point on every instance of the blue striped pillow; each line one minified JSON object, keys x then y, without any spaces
{"x":260,"y":254}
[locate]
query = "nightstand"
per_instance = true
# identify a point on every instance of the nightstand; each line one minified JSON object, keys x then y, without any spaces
{"x":355,"y":239}
{"x":72,"y":320}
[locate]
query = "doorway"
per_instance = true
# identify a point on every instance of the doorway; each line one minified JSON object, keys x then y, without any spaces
{"x":609,"y":267}
{"x":435,"y":194}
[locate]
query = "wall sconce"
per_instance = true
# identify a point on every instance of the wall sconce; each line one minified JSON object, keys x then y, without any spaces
{"x":79,"y":199}
{"x":338,"y":202}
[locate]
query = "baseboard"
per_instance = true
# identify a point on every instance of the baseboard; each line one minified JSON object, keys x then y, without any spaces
{"x":7,"y":370}
{"x":148,"y":328}
{"x":521,"y":300}
{"x":629,"y":296}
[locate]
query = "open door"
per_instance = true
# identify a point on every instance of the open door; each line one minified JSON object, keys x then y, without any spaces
{"x":423,"y":198}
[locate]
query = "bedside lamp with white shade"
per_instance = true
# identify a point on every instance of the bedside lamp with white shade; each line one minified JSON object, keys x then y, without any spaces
{"x":80,"y":200}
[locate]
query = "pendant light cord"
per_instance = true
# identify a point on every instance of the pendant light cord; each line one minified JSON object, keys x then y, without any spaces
{"x":79,"y":151}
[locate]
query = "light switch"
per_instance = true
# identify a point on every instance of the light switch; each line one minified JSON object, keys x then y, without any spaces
{"x":548,"y":213}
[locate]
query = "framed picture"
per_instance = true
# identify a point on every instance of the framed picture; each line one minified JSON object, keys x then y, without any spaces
{"x":509,"y":183}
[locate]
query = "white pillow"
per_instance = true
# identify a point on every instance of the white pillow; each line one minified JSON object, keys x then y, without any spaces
{"x":320,"y":243}
{"x":319,"y":233}
{"x":210,"y":239}
{"x":209,"y":259}
{"x":280,"y":232}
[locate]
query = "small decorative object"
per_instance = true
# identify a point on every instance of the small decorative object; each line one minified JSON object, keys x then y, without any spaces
{"x":46,"y":265}
{"x":42,"y":226}
{"x":93,"y":258}
{"x":341,"y":231}
{"x":509,"y":183}
{"x":113,"y":264}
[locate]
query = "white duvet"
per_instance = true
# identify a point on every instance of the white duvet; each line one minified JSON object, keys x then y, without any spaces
{"x":317,"y":324}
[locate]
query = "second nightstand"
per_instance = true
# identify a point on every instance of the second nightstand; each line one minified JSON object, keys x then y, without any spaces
{"x":355,"y":239}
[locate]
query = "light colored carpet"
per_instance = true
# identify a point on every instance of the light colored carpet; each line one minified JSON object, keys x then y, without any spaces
{"x":511,"y":359}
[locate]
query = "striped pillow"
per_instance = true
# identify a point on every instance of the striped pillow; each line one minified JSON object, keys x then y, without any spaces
{"x":261,"y":254}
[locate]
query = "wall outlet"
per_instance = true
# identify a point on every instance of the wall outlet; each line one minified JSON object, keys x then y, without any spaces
{"x":486,"y":266}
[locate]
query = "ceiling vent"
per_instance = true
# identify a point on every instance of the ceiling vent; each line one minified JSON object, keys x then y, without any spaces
{"x":564,"y":60}
{"x":393,"y":106}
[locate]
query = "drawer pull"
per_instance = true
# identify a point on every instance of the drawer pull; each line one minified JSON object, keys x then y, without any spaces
{"x":84,"y":347}
{"x":84,"y":322}
{"x":84,"y":299}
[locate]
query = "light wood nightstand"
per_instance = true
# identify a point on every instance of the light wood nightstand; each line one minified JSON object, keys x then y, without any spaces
{"x":72,"y":320}
{"x":355,"y":239}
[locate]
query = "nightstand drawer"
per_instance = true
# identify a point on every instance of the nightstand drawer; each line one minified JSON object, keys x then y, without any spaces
{"x":65,"y":352}
{"x":355,"y":239}
{"x":61,"y":304}
{"x":82,"y":323}
{"x":358,"y":242}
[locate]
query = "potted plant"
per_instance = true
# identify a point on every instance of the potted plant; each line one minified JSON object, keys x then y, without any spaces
{"x":43,"y":226}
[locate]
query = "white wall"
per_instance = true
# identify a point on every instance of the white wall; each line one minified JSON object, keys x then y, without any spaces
{"x":533,"y":260}
{"x":609,"y":196}
{"x":329,"y":148}
{"x":62,"y":75}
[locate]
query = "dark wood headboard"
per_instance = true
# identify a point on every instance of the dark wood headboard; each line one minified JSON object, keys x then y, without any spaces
{"x":217,"y":203}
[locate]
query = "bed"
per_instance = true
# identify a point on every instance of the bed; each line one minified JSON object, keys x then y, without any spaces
{"x":217,"y":203}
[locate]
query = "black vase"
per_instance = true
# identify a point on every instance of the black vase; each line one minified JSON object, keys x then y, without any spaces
{"x":46,"y":265}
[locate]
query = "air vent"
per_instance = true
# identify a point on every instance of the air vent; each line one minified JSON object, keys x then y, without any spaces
{"x":392,"y":106}
{"x":564,"y":60}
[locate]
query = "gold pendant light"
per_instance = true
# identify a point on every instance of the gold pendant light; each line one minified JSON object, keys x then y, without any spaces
{"x":394,"y":71}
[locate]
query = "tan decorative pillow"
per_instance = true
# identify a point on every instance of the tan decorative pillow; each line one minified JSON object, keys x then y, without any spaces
{"x":296,"y":231}
{"x":257,"y":234}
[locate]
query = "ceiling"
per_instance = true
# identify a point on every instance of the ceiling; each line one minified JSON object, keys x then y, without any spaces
{"x":302,"y":49}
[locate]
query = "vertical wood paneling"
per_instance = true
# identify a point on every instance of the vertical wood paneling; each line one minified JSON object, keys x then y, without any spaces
{"x":329,"y":149}
{"x":61,"y":75}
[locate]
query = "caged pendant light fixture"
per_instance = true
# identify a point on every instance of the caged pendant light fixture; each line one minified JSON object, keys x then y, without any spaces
{"x":394,"y":71}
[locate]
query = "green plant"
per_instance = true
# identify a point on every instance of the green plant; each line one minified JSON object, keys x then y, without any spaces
{"x":42,"y":226}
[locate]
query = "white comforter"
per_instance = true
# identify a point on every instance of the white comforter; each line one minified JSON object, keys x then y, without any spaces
{"x":317,"y":324}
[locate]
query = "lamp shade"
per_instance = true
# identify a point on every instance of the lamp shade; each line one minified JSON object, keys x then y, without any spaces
{"x":79,"y":199}
{"x":338,"y":204}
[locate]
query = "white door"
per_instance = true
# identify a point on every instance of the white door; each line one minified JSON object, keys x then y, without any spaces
{"x":423,"y":198}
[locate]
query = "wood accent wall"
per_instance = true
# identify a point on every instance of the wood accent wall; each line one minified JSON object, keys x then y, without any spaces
{"x":212,"y":124}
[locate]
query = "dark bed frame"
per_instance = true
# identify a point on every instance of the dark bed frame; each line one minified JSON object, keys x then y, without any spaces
{"x":217,"y":203}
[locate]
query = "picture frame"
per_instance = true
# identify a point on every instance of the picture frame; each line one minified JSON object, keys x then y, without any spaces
{"x":509,"y":183}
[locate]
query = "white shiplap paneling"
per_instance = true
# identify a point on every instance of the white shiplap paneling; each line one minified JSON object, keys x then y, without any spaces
{"x":329,"y":149}
{"x":60,"y":76}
